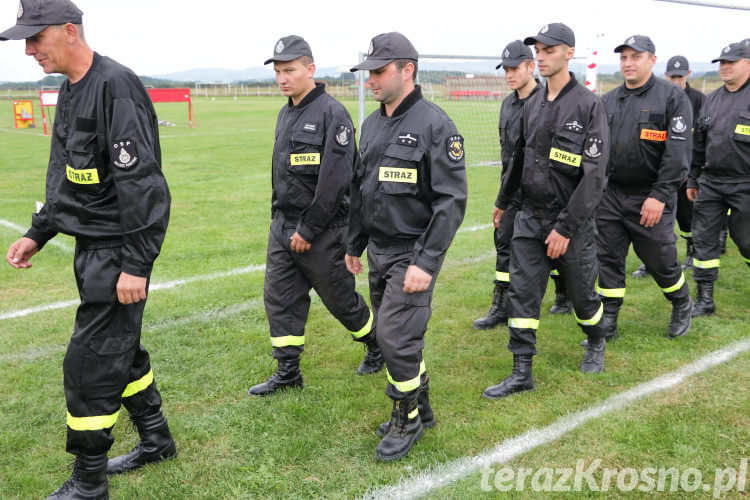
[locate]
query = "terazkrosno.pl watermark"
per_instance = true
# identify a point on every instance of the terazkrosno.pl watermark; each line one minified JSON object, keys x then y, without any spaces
{"x":591,"y":476}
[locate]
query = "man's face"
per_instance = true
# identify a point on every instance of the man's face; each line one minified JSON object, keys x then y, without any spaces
{"x":49,"y":49}
{"x":387,"y":83}
{"x":734,"y":73}
{"x":551,"y":59}
{"x":636,"y":66}
{"x":520,"y":75}
{"x":293,"y":77}
{"x":678,"y":80}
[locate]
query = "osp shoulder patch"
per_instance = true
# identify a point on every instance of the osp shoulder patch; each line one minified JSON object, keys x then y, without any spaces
{"x":408,"y":139}
{"x":455,"y":148}
{"x":343,"y":135}
{"x":124,"y":153}
{"x":593,"y":147}
{"x":678,"y":124}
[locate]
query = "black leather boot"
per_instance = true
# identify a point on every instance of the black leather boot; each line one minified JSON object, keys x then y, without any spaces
{"x":423,"y":404}
{"x":498,"y":313}
{"x":609,"y":322}
{"x":88,"y":480}
{"x":679,"y":325}
{"x":562,"y":305}
{"x":520,"y":379}
{"x":374,"y":360}
{"x":287,"y":375}
{"x":641,"y":272}
{"x":689,"y":252}
{"x":404,"y":430}
{"x":593,"y":358}
{"x":156,"y":445}
{"x":705,"y":303}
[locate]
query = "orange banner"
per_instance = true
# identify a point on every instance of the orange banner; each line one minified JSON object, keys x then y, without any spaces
{"x":654,"y":135}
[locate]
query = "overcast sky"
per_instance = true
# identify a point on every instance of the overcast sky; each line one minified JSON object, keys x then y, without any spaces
{"x":163,"y":36}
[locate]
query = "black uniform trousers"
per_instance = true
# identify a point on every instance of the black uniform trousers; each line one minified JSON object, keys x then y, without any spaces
{"x":711,"y":204}
{"x":684,"y":212}
{"x":618,"y":224}
{"x":291,"y":275}
{"x":503,"y":236}
{"x":529,"y":271}
{"x":105,"y":364}
{"x":401,"y":317}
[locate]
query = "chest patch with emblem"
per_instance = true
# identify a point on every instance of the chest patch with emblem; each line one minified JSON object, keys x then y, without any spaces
{"x":678,"y":124}
{"x":593,"y":147}
{"x":124,"y":153}
{"x":343,"y":135}
{"x":408,"y":139}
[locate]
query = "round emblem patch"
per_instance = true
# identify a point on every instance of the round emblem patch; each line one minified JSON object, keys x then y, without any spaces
{"x":677,"y":64}
{"x":727,"y":49}
{"x":545,"y":29}
{"x":370,"y":49}
{"x":20,"y":9}
{"x":343,"y":134}
{"x":455,"y":148}
{"x":506,"y":53}
{"x":279,"y":47}
{"x":631,"y":39}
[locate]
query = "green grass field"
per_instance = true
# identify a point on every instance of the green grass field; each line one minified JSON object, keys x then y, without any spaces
{"x":209,"y":342}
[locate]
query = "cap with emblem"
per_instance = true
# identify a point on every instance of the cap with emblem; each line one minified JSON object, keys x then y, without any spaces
{"x":678,"y":66}
{"x":35,"y":15}
{"x":290,"y":48}
{"x":553,"y":34}
{"x":746,"y":42}
{"x":639,"y":43}
{"x":514,"y":54}
{"x":733,"y":52}
{"x":385,"y":48}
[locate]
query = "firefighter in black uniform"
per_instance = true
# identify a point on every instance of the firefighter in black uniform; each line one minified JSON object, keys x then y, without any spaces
{"x":105,"y":187}
{"x":408,"y":199}
{"x":559,"y":164}
{"x":518,"y":64}
{"x":650,"y":128}
{"x":312,"y":167}
{"x":720,"y":173}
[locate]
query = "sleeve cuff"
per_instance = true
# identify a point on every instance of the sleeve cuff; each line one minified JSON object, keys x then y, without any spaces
{"x":425,"y":263}
{"x":40,"y":237}
{"x":136,"y":268}
{"x":305,"y":232}
{"x":658,"y":195}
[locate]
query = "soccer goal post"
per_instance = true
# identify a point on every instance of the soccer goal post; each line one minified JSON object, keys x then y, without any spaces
{"x":48,"y":101}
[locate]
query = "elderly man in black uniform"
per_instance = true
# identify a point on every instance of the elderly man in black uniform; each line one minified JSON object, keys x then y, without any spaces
{"x":650,"y":126}
{"x":105,"y":187}
{"x":408,"y":200}
{"x":559,"y":164}
{"x":720,"y":172}
{"x":312,"y":168}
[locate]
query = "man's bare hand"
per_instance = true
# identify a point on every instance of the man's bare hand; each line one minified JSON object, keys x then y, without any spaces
{"x":130,"y":289}
{"x":497,"y":214}
{"x":353,"y":264}
{"x":651,"y":211}
{"x":298,"y":244}
{"x":416,"y":280}
{"x":692,"y":194}
{"x":20,"y":252}
{"x":557,"y":244}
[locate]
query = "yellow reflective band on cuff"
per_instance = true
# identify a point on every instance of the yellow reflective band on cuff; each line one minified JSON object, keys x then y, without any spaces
{"x":686,"y":234}
{"x":742,"y":129}
{"x":500,"y":276}
{"x":594,"y":320}
{"x":407,"y":385}
{"x":523,"y":323}
{"x":288,"y":340}
{"x":92,"y":423}
{"x":706,"y":264}
{"x":554,"y":272}
{"x":138,"y":385}
{"x":414,"y":413}
{"x":565,"y":157}
{"x":612,"y":293}
{"x":365,"y":329}
{"x":676,"y":286}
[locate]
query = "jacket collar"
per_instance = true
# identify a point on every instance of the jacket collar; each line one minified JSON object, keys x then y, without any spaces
{"x":409,"y":101}
{"x":317,"y":91}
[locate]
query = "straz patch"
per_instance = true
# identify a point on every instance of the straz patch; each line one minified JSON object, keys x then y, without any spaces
{"x":593,"y":147}
{"x":653,"y":135}
{"x":310,"y":127}
{"x":455,"y":148}
{"x":86,"y":176}
{"x":574,"y":126}
{"x":124,"y":153}
{"x":408,"y":139}
{"x":393,"y":174}
{"x":565,"y":157}
{"x":678,"y":125}
{"x":305,"y":159}
{"x":343,"y":135}
{"x":742,"y":129}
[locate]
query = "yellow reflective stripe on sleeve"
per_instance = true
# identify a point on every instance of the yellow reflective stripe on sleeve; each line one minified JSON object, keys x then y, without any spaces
{"x":742,"y":129}
{"x":594,"y":320}
{"x":365,"y":329}
{"x":676,"y":286}
{"x":305,"y":159}
{"x":501,"y":276}
{"x":138,"y":385}
{"x":84,"y":176}
{"x":414,"y":413}
{"x":554,"y":272}
{"x":288,"y":340}
{"x":394,"y":174}
{"x":92,"y":423}
{"x":523,"y":323}
{"x":706,"y":264}
{"x":565,"y":157}
{"x":612,"y":293}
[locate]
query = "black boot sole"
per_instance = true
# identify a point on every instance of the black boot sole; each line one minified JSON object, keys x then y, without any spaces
{"x":488,"y":326}
{"x":390,"y":458}
{"x":494,"y":397}
{"x":277,"y":389}
{"x":130,"y":469}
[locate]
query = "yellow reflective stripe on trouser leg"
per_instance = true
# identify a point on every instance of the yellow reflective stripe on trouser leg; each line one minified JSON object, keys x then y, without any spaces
{"x":365,"y":329}
{"x":407,"y":385}
{"x":686,"y":234}
{"x":138,"y":385}
{"x":612,"y":293}
{"x":288,"y":340}
{"x":531,"y":323}
{"x":92,"y":423}
{"x":501,"y":276}
{"x":554,"y":272}
{"x":676,"y":286}
{"x":706,"y":264}
{"x":414,"y":413}
{"x":746,"y":260}
{"x":594,"y":319}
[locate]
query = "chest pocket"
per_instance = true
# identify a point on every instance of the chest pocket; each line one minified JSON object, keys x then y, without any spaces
{"x":652,"y":127}
{"x":742,"y":127}
{"x":503,"y":128}
{"x":399,"y":172}
{"x":565,"y":155}
{"x":82,"y":170}
{"x":305,"y":153}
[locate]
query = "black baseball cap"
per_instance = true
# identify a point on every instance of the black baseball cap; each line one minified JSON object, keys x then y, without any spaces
{"x":35,"y":15}
{"x":290,"y":48}
{"x":639,"y":43}
{"x":385,"y":48}
{"x":553,"y":34}
{"x":733,"y":52}
{"x":678,"y":66}
{"x":514,"y":54}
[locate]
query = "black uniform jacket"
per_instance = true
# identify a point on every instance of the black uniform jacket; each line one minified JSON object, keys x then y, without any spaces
{"x":650,"y":130}
{"x":104,"y":178}
{"x":313,"y":157}
{"x":721,"y":148}
{"x":409,"y":182}
{"x":560,"y":157}
{"x":696,"y":98}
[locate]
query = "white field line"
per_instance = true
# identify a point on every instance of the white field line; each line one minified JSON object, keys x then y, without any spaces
{"x":472,"y":229}
{"x":442,"y":475}
{"x":16,"y":227}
